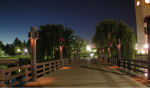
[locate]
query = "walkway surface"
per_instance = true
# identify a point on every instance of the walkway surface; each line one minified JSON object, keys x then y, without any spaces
{"x":87,"y":75}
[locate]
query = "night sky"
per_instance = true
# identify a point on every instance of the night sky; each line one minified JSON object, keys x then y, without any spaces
{"x":17,"y":16}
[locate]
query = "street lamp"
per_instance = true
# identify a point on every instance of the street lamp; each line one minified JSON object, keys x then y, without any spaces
{"x":33,"y":36}
{"x":61,"y":40}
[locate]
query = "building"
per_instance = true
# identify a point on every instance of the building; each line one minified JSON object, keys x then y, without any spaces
{"x":142,"y":9}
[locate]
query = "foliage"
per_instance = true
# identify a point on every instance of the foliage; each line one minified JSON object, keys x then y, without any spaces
{"x":111,"y":31}
{"x":48,"y":42}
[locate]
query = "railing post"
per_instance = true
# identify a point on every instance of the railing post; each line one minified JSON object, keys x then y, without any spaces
{"x":9,"y":76}
{"x":2,"y":77}
{"x":26,"y":75}
{"x":50,"y":67}
{"x":55,"y":66}
{"x":44,"y":69}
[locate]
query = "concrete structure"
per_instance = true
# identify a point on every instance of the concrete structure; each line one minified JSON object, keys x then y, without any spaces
{"x":142,"y":8}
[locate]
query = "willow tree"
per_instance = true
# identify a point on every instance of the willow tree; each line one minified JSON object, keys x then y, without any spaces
{"x":111,"y":31}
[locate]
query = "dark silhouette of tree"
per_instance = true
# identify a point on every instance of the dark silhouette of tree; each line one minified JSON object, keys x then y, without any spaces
{"x":111,"y":31}
{"x":47,"y":44}
{"x":17,"y":42}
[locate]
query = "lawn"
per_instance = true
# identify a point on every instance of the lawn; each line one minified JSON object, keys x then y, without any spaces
{"x":13,"y":57}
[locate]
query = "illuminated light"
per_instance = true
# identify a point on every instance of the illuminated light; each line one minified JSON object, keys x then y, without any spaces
{"x":25,"y":50}
{"x":138,"y":3}
{"x":92,"y":54}
{"x":95,"y":50}
{"x":65,"y":68}
{"x":18,"y":50}
{"x":40,"y":82}
{"x":136,"y":48}
{"x":88,"y":48}
{"x":146,"y":75}
{"x":147,"y":1}
{"x":146,"y":46}
{"x":3,"y":52}
{"x":19,"y":70}
{"x":115,"y":67}
{"x":143,"y":52}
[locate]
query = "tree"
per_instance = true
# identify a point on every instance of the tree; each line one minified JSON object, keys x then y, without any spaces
{"x":17,"y":42}
{"x":47,"y":44}
{"x":112,"y":30}
{"x":2,"y":49}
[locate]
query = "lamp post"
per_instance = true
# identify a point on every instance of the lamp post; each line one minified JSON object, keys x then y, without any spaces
{"x":33,"y":36}
{"x":147,"y":21}
{"x":109,"y":47}
{"x":103,"y":53}
{"x":61,"y":40}
{"x":78,"y":49}
{"x":119,"y":52}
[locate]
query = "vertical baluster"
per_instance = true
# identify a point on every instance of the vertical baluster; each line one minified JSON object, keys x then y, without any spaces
{"x":9,"y":77}
{"x":50,"y":67}
{"x":2,"y":77}
{"x":43,"y":68}
{"x":26,"y":75}
{"x":54,"y":66}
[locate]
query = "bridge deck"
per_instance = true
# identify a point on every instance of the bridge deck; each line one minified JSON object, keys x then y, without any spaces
{"x":86,"y":75}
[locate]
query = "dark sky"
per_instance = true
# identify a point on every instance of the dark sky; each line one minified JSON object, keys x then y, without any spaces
{"x":17,"y":16}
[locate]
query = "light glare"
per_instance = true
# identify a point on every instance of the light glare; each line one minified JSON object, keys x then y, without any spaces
{"x":147,"y":1}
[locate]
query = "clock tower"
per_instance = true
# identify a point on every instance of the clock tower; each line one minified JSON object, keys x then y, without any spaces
{"x":142,"y":9}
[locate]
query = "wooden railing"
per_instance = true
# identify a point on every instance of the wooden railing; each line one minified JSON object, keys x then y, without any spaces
{"x":135,"y":66}
{"x":17,"y":76}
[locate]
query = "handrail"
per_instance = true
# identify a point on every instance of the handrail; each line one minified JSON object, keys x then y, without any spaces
{"x":136,"y":66}
{"x":15,"y":75}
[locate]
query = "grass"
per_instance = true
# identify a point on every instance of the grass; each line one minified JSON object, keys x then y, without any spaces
{"x":13,"y":57}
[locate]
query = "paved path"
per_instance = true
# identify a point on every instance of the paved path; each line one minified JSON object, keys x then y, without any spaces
{"x":87,"y":75}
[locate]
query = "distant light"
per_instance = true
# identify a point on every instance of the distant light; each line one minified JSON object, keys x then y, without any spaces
{"x":88,"y":48}
{"x":136,"y":46}
{"x":147,"y":1}
{"x":146,"y":46}
{"x":18,"y":50}
{"x":143,"y":52}
{"x":92,"y":54}
{"x":146,"y":73}
{"x":138,"y":3}
{"x":19,"y":70}
{"x":25,"y":50}
{"x":3,"y":52}
{"x":95,"y":50}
